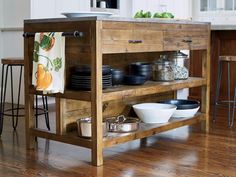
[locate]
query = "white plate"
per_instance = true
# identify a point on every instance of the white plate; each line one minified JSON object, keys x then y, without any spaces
{"x":87,"y":14}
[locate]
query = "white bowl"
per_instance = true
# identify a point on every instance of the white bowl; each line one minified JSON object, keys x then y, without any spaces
{"x":154,"y":112}
{"x":181,"y":113}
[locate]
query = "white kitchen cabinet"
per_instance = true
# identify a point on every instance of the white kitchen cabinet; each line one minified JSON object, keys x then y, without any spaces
{"x":54,"y":8}
{"x":218,"y":12}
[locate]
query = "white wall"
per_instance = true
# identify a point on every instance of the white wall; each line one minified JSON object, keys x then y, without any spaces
{"x":12,"y":14}
{"x":1,"y":24}
{"x":14,"y":11}
{"x":54,"y":8}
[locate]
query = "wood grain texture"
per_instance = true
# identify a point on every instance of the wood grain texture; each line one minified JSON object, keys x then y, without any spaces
{"x":151,"y":129}
{"x":151,"y":87}
{"x":29,"y":99}
{"x":96,"y":95}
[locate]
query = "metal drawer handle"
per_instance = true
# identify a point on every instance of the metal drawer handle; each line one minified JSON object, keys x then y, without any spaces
{"x":187,"y":40}
{"x":135,"y":41}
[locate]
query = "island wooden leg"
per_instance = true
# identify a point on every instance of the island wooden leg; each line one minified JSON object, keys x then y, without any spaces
{"x":96,"y":98}
{"x":29,"y":121}
{"x":205,"y":97}
{"x":29,"y":98}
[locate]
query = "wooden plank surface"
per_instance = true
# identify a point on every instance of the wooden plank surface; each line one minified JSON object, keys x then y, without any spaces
{"x":69,"y":138}
{"x":150,"y":129}
{"x":96,"y":96}
{"x":151,"y":87}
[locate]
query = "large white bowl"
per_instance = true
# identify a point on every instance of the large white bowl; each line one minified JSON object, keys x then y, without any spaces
{"x":181,"y":113}
{"x":154,"y":112}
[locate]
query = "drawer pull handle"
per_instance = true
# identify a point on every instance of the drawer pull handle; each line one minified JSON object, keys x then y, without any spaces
{"x":135,"y":41}
{"x":187,"y":40}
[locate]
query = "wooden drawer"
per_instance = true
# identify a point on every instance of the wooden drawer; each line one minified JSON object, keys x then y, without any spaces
{"x":185,"y":39}
{"x":125,"y":38}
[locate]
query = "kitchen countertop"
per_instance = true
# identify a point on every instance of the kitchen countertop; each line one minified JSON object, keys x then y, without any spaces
{"x":152,"y":20}
{"x":223,"y":27}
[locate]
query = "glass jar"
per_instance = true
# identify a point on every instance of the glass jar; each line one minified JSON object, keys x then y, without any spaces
{"x":180,"y":65}
{"x":162,"y":70}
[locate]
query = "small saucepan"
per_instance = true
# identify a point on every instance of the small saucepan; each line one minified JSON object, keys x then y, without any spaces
{"x":122,"y":124}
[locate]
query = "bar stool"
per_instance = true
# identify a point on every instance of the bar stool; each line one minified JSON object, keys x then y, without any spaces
{"x":17,"y":62}
{"x":228,"y":60}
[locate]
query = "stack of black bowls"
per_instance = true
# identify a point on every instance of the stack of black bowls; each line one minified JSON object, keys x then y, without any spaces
{"x":117,"y":76}
{"x":81,"y":77}
{"x":141,"y":69}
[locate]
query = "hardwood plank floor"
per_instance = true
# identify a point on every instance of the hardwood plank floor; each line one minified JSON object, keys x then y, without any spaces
{"x":183,"y":152}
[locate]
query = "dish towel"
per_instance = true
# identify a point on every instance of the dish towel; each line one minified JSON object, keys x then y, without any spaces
{"x":49,"y":62}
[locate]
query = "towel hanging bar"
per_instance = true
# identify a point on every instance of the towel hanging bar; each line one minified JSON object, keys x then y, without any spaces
{"x":68,"y":34}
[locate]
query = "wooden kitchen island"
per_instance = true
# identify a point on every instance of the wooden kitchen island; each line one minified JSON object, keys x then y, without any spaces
{"x":116,"y":42}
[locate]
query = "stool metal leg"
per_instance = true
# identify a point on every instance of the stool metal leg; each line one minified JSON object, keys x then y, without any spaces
{"x":232,"y":122}
{"x":12,"y":98}
{"x":1,"y":108}
{"x":45,"y":109}
{"x":229,"y":104}
{"x":217,"y":89}
{"x":18,"y":101}
{"x":47,"y":113}
{"x":4,"y":92}
{"x":36,"y":114}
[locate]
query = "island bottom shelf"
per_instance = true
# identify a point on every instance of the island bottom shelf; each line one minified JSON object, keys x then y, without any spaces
{"x":112,"y":139}
{"x":146,"y":130}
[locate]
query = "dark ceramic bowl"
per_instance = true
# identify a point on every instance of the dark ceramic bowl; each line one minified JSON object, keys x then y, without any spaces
{"x":141,"y":69}
{"x":134,"y":80}
{"x":141,"y":66}
{"x":117,"y":76}
{"x":183,"y":104}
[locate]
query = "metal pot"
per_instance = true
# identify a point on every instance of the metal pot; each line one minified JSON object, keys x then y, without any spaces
{"x":85,"y":128}
{"x":122,"y":124}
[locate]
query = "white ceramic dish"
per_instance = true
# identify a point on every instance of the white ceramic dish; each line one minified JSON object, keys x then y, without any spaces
{"x":154,"y":112}
{"x":182,"y":113}
{"x":86,"y":14}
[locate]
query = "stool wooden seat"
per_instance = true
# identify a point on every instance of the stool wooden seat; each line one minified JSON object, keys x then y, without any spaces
{"x":13,"y":61}
{"x":9,"y":63}
{"x":227,"y":58}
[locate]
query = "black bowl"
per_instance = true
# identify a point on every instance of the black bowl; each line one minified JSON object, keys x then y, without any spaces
{"x":141,"y":65}
{"x":117,"y":76}
{"x":183,"y":104}
{"x":141,"y":69}
{"x":134,"y":80}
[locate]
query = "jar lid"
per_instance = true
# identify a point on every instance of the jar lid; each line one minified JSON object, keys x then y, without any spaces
{"x":178,"y":54}
{"x":163,"y":62}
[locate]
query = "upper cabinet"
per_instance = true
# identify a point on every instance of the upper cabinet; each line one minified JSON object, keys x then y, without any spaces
{"x":214,"y":5}
{"x":218,"y":12}
{"x":112,"y":6}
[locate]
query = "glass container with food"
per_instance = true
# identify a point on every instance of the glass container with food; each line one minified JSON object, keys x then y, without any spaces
{"x":180,"y":65}
{"x":162,"y":69}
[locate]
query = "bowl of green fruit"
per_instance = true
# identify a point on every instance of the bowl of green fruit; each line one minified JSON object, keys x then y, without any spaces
{"x":148,"y":14}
